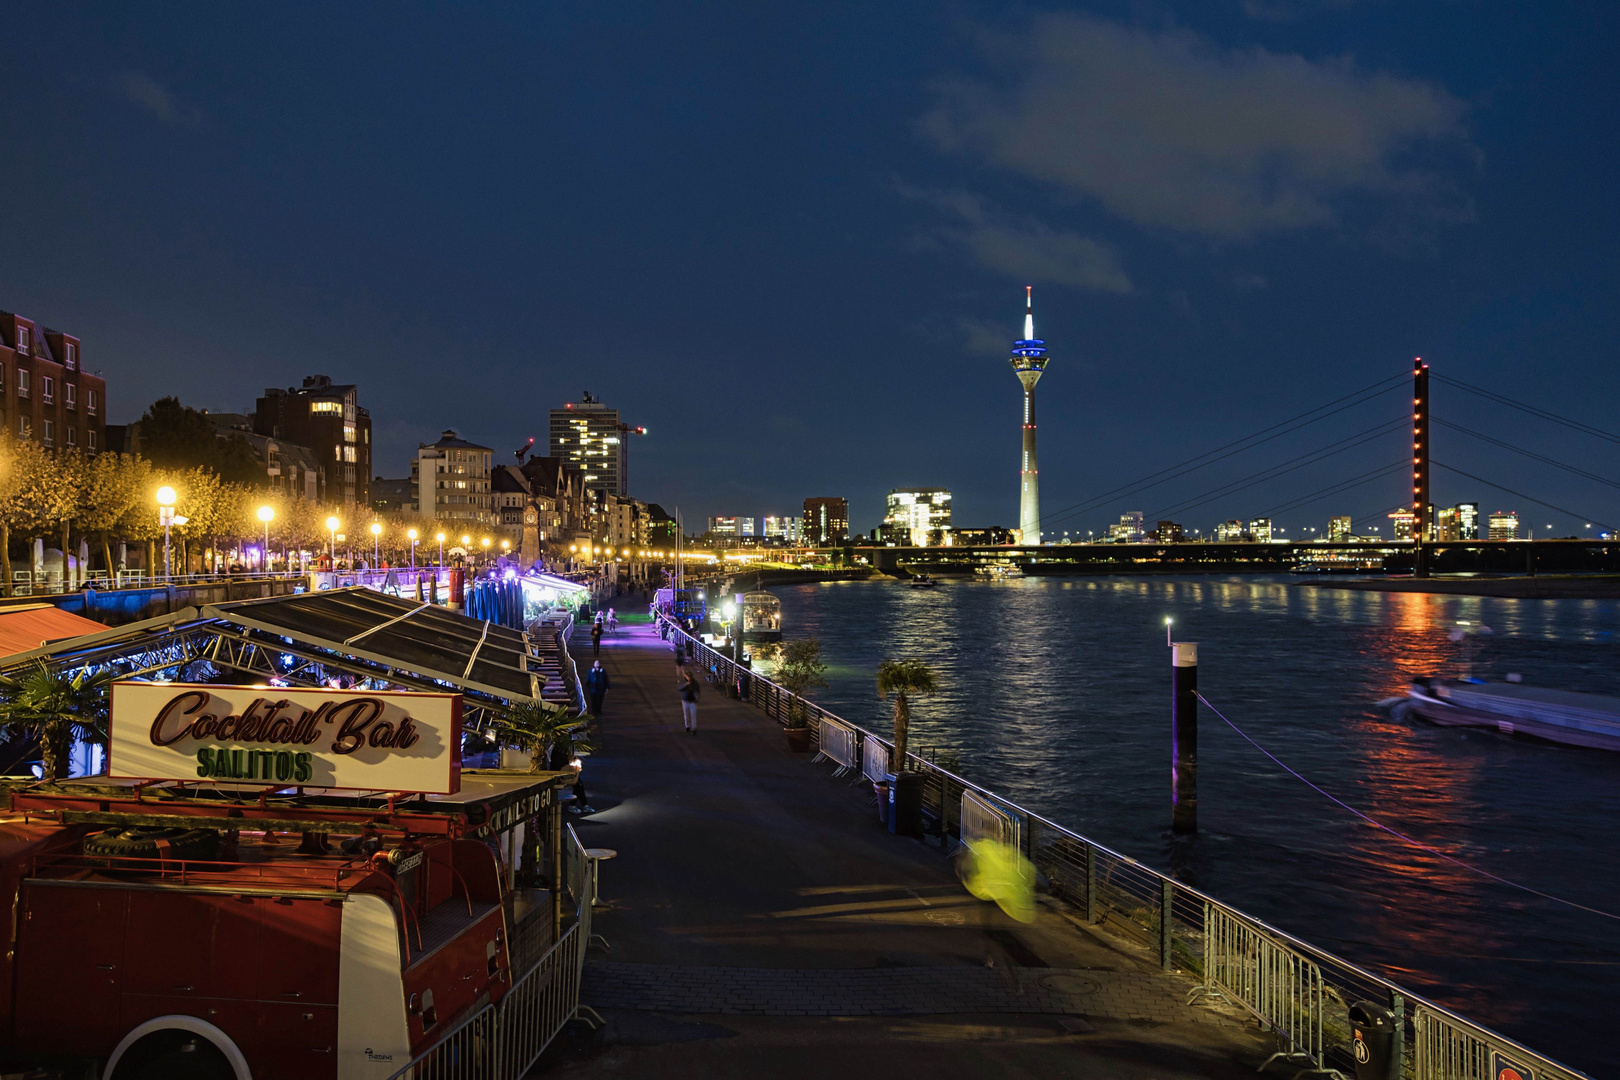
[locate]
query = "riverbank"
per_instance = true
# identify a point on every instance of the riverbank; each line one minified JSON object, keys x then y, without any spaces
{"x":1511,"y":588}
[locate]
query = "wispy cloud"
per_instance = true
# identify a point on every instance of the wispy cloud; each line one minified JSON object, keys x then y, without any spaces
{"x":1022,"y":248}
{"x":149,"y":94}
{"x":1167,"y":129}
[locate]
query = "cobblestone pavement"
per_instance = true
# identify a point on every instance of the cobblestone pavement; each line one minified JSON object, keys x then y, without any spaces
{"x":890,"y":991}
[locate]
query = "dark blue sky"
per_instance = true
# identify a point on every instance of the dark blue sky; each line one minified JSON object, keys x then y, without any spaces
{"x":792,"y":239}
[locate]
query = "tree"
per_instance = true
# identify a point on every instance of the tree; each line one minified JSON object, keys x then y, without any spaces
{"x":799,"y":670}
{"x":28,"y":498}
{"x":904,"y":679}
{"x":55,"y":707}
{"x":175,"y":436}
{"x":114,"y":484}
{"x":537,"y":726}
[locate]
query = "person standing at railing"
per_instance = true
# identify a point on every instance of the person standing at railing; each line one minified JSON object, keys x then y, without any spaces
{"x":687,"y":685}
{"x":596,"y":685}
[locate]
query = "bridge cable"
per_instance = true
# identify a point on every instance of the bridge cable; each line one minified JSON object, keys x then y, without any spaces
{"x":1197,"y":462}
{"x":1519,"y":494}
{"x":1531,"y":409}
{"x":1400,"y":835}
{"x":1527,"y":453}
{"x":1310,"y":457}
{"x":1334,"y":489}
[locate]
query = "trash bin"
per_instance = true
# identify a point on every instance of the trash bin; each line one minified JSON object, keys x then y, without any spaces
{"x":880,"y":788}
{"x":905,"y":803}
{"x":1372,"y":1029}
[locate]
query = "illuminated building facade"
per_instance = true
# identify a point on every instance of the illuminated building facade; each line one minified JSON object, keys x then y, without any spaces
{"x":451,"y":479}
{"x":1339,"y":529}
{"x":826,"y":521}
{"x":1445,"y":524}
{"x":1401,"y":524}
{"x":1229,"y":532}
{"x":731,"y":528}
{"x":1168,"y":532}
{"x":1028,"y":362}
{"x":1467,"y":521}
{"x":1260,"y":529}
{"x":782,"y":528}
{"x":45,"y":394}
{"x":1504,"y":525}
{"x":918,"y":516}
{"x":1129,"y":530}
{"x":327,"y":418}
{"x":590,"y":436}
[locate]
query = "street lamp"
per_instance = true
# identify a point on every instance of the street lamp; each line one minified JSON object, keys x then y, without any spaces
{"x":165,"y":498}
{"x":376,"y":542}
{"x":266,"y":513}
{"x":486,"y":551}
{"x":441,"y":549}
{"x":412,"y":534}
{"x":332,"y":524}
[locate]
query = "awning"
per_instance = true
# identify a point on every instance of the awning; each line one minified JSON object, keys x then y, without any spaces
{"x":35,"y":625}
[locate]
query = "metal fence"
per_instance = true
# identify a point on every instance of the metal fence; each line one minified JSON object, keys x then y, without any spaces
{"x":838,"y":742}
{"x":503,"y":1041}
{"x":874,"y":759}
{"x":1302,"y":993}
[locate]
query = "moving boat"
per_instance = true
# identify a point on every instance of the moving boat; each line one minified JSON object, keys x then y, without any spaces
{"x":1561,"y":716}
{"x":921,"y":581}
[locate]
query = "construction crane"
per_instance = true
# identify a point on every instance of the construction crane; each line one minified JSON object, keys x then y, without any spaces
{"x":524,"y":449}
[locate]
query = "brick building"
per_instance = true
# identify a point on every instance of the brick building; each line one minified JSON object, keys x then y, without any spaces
{"x":47,"y":395}
{"x":327,"y":418}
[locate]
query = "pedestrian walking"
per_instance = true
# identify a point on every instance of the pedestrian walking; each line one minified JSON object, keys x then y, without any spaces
{"x":596,"y":685}
{"x":596,"y":639}
{"x":613,"y":620}
{"x":687,"y":684}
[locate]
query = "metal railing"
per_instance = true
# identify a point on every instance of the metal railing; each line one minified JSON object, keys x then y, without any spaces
{"x":1300,"y":992}
{"x":503,"y":1041}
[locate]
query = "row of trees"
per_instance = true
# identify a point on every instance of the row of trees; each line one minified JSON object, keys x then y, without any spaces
{"x":65,"y":499}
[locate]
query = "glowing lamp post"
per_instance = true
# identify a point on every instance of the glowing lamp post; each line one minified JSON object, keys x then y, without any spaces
{"x":266,"y":515}
{"x":376,"y":544}
{"x":412,"y":534}
{"x":332,"y":524}
{"x":441,"y":549}
{"x":165,"y":500}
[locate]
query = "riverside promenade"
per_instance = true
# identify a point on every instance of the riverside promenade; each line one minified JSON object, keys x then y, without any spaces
{"x":762,"y":922}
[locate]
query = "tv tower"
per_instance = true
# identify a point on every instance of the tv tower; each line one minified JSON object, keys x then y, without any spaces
{"x":1028,"y":361}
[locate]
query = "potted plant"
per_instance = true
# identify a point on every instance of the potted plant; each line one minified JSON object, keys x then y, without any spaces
{"x":799,"y":669}
{"x":55,"y":708}
{"x":903,"y":680}
{"x":541,"y":728}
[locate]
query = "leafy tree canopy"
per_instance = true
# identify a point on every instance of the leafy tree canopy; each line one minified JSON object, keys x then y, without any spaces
{"x":176,"y":436}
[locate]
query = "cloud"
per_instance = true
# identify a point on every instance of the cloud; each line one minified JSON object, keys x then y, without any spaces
{"x":146,"y":92}
{"x":984,"y":337}
{"x":1167,"y":129}
{"x":1024,"y":249}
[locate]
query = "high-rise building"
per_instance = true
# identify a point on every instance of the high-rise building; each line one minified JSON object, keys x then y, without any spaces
{"x":451,"y":480}
{"x":1467,"y":521}
{"x":1445,"y":524}
{"x":1130,"y":529}
{"x":1504,"y":525}
{"x":588,"y":434}
{"x":784,"y":528}
{"x":1168,"y":532}
{"x":1339,"y":531}
{"x":1260,"y":530}
{"x":915,"y":516}
{"x":47,"y":395}
{"x":1229,"y":532}
{"x":731,"y":527}
{"x":1402,"y":524}
{"x":826,"y":521}
{"x":327,"y":418}
{"x":1028,"y":362}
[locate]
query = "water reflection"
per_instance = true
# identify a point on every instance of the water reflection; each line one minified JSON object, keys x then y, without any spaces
{"x":1056,"y":692}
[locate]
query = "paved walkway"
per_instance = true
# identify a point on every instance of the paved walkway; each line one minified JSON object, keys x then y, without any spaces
{"x":755,"y":901}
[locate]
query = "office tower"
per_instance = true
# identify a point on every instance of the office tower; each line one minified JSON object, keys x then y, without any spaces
{"x":1504,"y":525}
{"x":917,"y":516}
{"x":588,"y":434}
{"x":1339,"y":529}
{"x":826,"y":521}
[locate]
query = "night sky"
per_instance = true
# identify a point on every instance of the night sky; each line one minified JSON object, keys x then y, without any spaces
{"x":792,"y":239}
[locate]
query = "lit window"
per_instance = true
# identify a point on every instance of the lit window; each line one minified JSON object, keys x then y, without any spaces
{"x":324,"y":407}
{"x":91,"y":400}
{"x":49,"y":388}
{"x":70,"y":392}
{"x":22,"y":339}
{"x":71,"y":355}
{"x":348,"y":433}
{"x":22,"y":383}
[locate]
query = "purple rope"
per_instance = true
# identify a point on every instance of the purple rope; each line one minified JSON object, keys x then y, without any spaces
{"x":1399,"y":835}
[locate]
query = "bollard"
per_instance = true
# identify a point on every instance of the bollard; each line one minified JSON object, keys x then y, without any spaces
{"x":1184,"y":737}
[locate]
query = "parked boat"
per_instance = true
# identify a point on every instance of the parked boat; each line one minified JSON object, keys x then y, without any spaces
{"x":1561,"y":716}
{"x":999,"y":571}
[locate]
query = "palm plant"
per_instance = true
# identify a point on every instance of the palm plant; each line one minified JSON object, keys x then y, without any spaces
{"x":904,"y":679}
{"x":799,"y":670}
{"x":56,"y":707}
{"x":537,"y":726}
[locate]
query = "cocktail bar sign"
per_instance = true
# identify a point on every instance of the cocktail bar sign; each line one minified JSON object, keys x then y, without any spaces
{"x":267,"y":735}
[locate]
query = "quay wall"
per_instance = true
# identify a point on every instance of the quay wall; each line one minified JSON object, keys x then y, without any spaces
{"x":116,"y":607}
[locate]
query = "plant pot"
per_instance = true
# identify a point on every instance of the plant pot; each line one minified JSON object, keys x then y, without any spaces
{"x":798,"y":739}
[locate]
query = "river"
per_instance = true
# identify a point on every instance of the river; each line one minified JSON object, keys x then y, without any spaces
{"x":1056,"y":693}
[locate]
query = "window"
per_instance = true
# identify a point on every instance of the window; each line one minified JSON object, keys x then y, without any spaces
{"x":70,"y":354}
{"x":49,"y":386}
{"x":90,"y":400}
{"x":25,"y":427}
{"x":70,"y":392}
{"x":22,"y":340}
{"x":50,"y":433}
{"x":22,"y":383}
{"x":348,"y":454}
{"x":324,"y":407}
{"x":73,"y":436}
{"x":92,"y":437}
{"x":348,"y":433}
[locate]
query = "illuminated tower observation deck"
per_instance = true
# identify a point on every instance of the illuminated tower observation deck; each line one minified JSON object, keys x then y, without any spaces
{"x":1028,"y":361}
